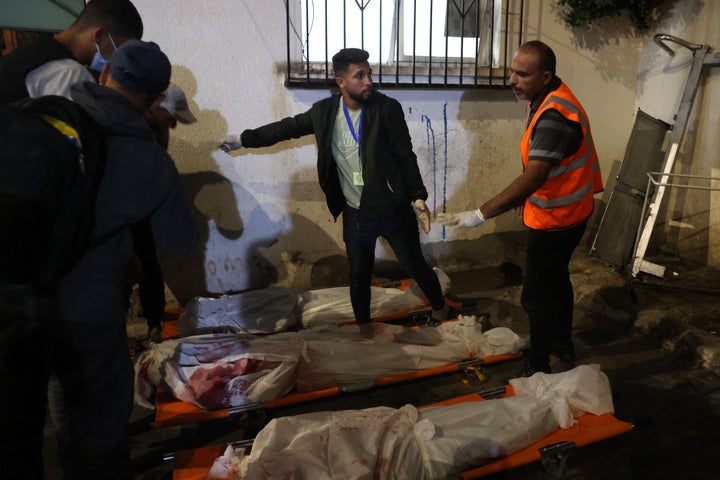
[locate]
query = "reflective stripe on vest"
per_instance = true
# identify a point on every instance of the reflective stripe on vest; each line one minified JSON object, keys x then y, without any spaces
{"x":566,"y":198}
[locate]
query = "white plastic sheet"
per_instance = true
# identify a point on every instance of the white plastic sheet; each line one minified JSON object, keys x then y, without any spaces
{"x":341,"y":356}
{"x":383,"y":443}
{"x":258,"y":311}
{"x":219,"y":371}
{"x":276,"y":309}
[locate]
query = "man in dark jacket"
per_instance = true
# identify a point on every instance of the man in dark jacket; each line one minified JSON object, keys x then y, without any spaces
{"x":369,"y":173}
{"x":51,"y":64}
{"x":140,"y":181}
{"x":89,"y":354}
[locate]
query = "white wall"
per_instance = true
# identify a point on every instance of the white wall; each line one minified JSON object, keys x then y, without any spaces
{"x":265,"y":214}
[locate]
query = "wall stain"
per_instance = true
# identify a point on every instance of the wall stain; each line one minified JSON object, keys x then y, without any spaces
{"x":433,"y":153}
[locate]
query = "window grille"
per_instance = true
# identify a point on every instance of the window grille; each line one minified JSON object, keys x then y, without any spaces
{"x":412,"y":43}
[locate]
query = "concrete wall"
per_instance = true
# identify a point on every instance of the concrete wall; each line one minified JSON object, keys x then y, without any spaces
{"x":263,"y":214}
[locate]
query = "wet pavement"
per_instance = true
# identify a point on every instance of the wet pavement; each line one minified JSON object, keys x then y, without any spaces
{"x":657,"y":343}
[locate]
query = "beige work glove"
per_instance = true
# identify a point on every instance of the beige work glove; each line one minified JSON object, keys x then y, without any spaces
{"x":230,"y":142}
{"x":423,"y":214}
{"x":471,"y":218}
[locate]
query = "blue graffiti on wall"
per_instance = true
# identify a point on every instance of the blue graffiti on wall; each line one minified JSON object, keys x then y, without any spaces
{"x":430,"y":132}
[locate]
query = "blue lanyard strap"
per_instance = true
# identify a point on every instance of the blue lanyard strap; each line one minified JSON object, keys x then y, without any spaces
{"x":356,"y":135}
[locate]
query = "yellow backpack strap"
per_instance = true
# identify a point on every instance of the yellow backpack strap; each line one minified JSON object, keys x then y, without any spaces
{"x":70,"y":133}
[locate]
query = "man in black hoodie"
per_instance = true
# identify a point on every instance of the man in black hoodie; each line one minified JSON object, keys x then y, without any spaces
{"x":90,"y":358}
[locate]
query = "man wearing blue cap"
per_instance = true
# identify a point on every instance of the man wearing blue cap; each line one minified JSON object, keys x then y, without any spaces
{"x":140,"y":181}
{"x":90,"y":358}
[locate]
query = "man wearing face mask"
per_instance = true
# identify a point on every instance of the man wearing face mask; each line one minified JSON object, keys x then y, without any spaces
{"x":51,"y":64}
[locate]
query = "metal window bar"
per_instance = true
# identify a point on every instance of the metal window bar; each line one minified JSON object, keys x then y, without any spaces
{"x":395,"y":64}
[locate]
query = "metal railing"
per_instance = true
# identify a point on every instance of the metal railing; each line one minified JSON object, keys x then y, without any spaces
{"x":412,"y":43}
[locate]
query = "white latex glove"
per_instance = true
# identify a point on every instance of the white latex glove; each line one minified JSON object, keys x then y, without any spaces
{"x":231,"y":142}
{"x":423,"y":214}
{"x":471,"y":218}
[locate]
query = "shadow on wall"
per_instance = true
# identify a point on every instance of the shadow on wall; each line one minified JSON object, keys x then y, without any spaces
{"x":233,"y":227}
{"x":213,"y":202}
{"x":308,"y":254}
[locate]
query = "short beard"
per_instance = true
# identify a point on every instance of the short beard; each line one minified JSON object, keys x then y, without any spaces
{"x":361,"y":99}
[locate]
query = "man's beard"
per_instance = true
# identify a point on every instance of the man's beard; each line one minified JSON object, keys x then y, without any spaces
{"x":360,"y":98}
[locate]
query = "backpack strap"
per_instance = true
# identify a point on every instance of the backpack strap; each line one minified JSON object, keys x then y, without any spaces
{"x":71,"y":134}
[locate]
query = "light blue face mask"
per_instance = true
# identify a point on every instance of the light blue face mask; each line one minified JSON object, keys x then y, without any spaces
{"x":98,"y":61}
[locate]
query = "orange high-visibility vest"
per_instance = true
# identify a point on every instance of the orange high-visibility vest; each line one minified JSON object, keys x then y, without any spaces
{"x":566,"y":197}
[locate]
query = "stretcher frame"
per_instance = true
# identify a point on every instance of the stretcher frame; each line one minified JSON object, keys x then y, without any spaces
{"x":170,"y":326}
{"x":551,"y":451}
{"x":170,"y":411}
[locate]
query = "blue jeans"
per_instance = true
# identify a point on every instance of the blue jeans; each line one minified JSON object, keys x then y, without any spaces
{"x":401,"y":232}
{"x":547,"y":295}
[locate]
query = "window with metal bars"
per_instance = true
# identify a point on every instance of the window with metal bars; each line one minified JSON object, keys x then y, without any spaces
{"x":412,"y":43}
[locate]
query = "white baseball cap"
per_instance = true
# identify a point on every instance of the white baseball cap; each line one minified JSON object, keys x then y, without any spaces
{"x":176,"y":103}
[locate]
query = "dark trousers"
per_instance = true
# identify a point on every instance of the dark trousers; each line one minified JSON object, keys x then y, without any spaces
{"x":26,"y":341}
{"x":547,"y":295}
{"x":92,"y":400}
{"x":151,"y":290}
{"x":401,"y":232}
{"x":93,"y":393}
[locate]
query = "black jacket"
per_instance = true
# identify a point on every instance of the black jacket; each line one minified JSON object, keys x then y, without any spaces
{"x":140,"y":181}
{"x":17,"y":64}
{"x":390,"y":172}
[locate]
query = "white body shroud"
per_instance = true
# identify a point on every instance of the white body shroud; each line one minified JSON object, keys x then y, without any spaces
{"x":386,"y":443}
{"x":276,"y":309}
{"x":225,"y":370}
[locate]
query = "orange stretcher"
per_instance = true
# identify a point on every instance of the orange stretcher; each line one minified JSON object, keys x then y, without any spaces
{"x":194,"y":464}
{"x":170,"y":323}
{"x":170,"y":411}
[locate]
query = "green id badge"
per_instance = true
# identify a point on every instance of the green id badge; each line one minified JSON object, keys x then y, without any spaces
{"x":357,"y":178}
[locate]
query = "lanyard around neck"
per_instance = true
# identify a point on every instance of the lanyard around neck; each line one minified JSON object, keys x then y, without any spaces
{"x":356,"y":135}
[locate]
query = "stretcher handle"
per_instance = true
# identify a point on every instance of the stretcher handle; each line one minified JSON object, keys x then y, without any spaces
{"x":357,"y":387}
{"x":661,"y":38}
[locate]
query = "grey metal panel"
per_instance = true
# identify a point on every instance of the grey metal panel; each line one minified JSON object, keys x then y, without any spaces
{"x":616,"y":234}
{"x":644,"y":152}
{"x":615,"y":238}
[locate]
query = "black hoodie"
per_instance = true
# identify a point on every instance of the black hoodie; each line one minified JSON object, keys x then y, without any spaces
{"x":140,"y":181}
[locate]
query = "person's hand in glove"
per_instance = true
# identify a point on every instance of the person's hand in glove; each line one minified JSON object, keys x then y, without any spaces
{"x":423,"y":214}
{"x":471,"y":218}
{"x":231,"y":142}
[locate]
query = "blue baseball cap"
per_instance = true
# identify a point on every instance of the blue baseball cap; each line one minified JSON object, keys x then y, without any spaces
{"x":141,"y":67}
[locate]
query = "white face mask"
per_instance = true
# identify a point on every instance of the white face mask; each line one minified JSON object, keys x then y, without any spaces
{"x":98,"y":61}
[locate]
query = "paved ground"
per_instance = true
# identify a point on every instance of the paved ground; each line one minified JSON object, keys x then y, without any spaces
{"x":657,"y":344}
